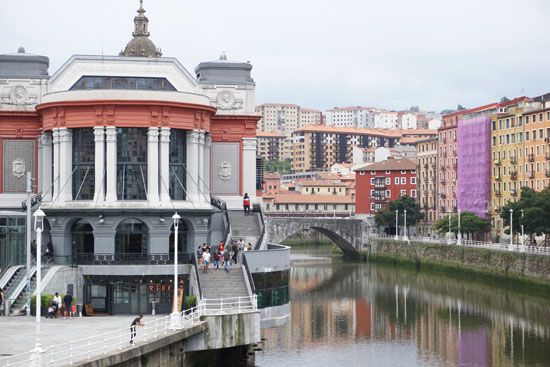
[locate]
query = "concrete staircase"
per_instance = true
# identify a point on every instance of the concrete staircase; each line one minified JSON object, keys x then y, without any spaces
{"x":217,"y":284}
{"x":243,"y":226}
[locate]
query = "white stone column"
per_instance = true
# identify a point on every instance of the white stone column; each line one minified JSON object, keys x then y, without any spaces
{"x":46,"y":169}
{"x":200,"y":180}
{"x":153,"y":165}
{"x":55,"y":141}
{"x":164,"y":157}
{"x":206,"y":167}
{"x":110,"y":173}
{"x":99,"y":167}
{"x":249,"y":166}
{"x":192,"y":145}
{"x":65,"y":165}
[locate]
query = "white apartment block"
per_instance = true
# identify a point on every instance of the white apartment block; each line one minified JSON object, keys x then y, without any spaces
{"x":386,"y":119}
{"x":408,"y":120}
{"x":356,"y":116}
{"x":278,"y":117}
{"x":310,"y":117}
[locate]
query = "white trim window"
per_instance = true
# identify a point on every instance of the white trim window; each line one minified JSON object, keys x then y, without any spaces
{"x":403,"y":192}
{"x":397,"y":181}
{"x":388,"y":181}
{"x":413,"y":180}
{"x":413,"y":193}
{"x":372,"y":180}
{"x":403,"y":180}
{"x":371,"y":206}
{"x":388,"y":194}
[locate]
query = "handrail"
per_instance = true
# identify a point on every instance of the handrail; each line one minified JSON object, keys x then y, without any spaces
{"x":262,"y":233}
{"x":196,"y":267}
{"x":249,"y":274}
{"x":118,"y":339}
{"x":8,"y":274}
{"x":220,"y":204}
{"x":130,"y":259}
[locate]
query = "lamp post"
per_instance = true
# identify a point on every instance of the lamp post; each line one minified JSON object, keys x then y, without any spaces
{"x":405,"y":237}
{"x":396,"y":225}
{"x":175,"y":316}
{"x":522,"y":234}
{"x":458,"y":234}
{"x":38,"y":227}
{"x":511,"y":230}
{"x":449,"y":241}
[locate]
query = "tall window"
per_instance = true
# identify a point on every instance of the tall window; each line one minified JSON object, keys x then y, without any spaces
{"x":83,"y":164}
{"x":131,"y":164}
{"x":132,"y":237}
{"x":177,"y":165}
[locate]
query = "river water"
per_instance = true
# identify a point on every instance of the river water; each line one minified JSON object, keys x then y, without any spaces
{"x":350,"y":314}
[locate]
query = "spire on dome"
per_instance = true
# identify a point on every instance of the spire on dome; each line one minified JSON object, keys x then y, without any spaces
{"x":141,"y":45}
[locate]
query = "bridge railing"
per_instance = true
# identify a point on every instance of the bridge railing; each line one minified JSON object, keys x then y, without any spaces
{"x":540,"y":250}
{"x":310,"y":214}
{"x":124,"y":338}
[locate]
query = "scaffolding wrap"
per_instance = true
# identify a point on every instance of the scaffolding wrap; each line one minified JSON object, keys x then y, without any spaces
{"x":474,"y":165}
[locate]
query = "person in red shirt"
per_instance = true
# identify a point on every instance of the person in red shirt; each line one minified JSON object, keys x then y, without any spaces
{"x":246,"y":204}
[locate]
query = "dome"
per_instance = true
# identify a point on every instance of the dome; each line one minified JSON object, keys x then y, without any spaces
{"x":141,"y":45}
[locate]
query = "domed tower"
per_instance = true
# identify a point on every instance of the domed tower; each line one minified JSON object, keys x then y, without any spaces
{"x":141,"y":45}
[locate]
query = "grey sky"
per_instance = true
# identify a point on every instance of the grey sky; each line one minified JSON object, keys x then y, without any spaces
{"x":318,"y":53}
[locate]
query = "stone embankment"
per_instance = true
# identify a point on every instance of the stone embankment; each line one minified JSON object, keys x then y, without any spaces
{"x":525,"y":267}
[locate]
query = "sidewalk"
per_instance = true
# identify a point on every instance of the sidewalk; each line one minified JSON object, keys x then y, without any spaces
{"x":18,"y":332}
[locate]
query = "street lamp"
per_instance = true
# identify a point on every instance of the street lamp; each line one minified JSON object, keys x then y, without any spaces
{"x":405,"y":237}
{"x":511,"y":230}
{"x":396,"y":225}
{"x":449,"y":240}
{"x":458,"y":234}
{"x":38,"y":227}
{"x":175,"y":317}
{"x":522,"y":234}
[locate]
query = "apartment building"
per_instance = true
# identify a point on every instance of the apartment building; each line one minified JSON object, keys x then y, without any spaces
{"x":278,"y":117}
{"x":447,"y":155}
{"x":537,"y":143}
{"x":379,"y":183}
{"x":309,"y":116}
{"x":271,"y":146}
{"x":317,"y":148}
{"x":355,"y":116}
{"x":426,"y":183}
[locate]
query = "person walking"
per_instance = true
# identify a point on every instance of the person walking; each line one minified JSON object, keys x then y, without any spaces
{"x":57,"y":300}
{"x":49,"y":252}
{"x":240,"y":252}
{"x":235,"y":252}
{"x":68,"y":302}
{"x":199,"y":256}
{"x":206,"y":256}
{"x":216,"y":257}
{"x":246,"y":203}
{"x":227,"y":260}
{"x":133,"y":326}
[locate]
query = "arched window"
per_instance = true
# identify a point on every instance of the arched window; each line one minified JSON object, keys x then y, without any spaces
{"x":177,"y":164}
{"x":83,"y":164}
{"x":132,"y":238}
{"x":82,"y":238}
{"x":182,"y":238}
{"x":131,"y":164}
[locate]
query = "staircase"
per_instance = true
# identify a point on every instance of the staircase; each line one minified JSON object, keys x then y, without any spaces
{"x":216,"y":284}
{"x":243,"y":226}
{"x":15,"y":280}
{"x":20,"y":301}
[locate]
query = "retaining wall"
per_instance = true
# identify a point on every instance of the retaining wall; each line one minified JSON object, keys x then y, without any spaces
{"x":498,"y":263}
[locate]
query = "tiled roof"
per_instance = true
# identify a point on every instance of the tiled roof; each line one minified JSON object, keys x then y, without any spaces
{"x":390,"y":165}
{"x":272,"y":175}
{"x":309,"y":183}
{"x":269,"y":134}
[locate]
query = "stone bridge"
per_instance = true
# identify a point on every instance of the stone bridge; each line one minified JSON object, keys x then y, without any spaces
{"x":349,"y":234}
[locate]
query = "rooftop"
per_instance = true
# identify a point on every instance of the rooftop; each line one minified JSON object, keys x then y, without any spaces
{"x":312,"y":199}
{"x":390,"y":164}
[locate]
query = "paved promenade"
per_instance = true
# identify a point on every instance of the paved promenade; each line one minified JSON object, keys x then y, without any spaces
{"x":17,"y":332}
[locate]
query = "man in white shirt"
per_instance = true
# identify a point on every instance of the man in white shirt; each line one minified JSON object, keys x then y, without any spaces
{"x":206,"y":259}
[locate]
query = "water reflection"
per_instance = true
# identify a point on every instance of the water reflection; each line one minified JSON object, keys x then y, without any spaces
{"x":361,"y":314}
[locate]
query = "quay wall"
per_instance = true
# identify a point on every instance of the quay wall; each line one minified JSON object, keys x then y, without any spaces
{"x":527,"y":267}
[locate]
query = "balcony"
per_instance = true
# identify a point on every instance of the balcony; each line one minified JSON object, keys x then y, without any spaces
{"x":454,"y":165}
{"x":513,"y":193}
{"x":443,"y":195}
{"x":379,"y":185}
{"x":513,"y":176}
{"x":443,"y":209}
{"x":498,"y":193}
{"x":531,"y":157}
{"x":496,"y":162}
{"x":547,"y":172}
{"x":547,"y":156}
{"x":530,"y":174}
{"x":513,"y":160}
{"x":497,"y":209}
{"x":131,"y":259}
{"x":379,"y":198}
{"x":497,"y":178}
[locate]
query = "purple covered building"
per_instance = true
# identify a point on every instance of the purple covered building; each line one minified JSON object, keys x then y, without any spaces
{"x":474,"y":165}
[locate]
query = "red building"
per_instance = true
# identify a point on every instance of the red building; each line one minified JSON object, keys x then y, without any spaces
{"x":379,"y":183}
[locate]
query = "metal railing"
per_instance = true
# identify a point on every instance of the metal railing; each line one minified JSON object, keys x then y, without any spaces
{"x":220,"y":204}
{"x":310,"y":214}
{"x":540,"y":250}
{"x":131,"y":259}
{"x":262,"y":233}
{"x":117,"y":340}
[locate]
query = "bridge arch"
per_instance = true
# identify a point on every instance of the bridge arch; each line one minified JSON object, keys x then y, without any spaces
{"x":348,"y":234}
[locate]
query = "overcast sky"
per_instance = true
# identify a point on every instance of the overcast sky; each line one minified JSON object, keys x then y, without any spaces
{"x":318,"y":53}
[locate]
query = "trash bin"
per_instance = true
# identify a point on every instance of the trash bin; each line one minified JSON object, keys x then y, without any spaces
{"x":79,"y":309}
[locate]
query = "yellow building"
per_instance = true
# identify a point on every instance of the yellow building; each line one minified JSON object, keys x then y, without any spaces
{"x":519,"y":136}
{"x":426,"y":182}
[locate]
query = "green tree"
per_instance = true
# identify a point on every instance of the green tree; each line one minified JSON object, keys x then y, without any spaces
{"x":460,"y":108}
{"x":386,"y":216}
{"x":536,"y":214}
{"x":470,"y":224}
{"x":283,"y":167}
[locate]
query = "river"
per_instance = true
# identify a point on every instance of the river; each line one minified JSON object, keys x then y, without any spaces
{"x":359,"y":314}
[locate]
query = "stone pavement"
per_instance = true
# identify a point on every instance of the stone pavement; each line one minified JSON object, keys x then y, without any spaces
{"x":17,"y":333}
